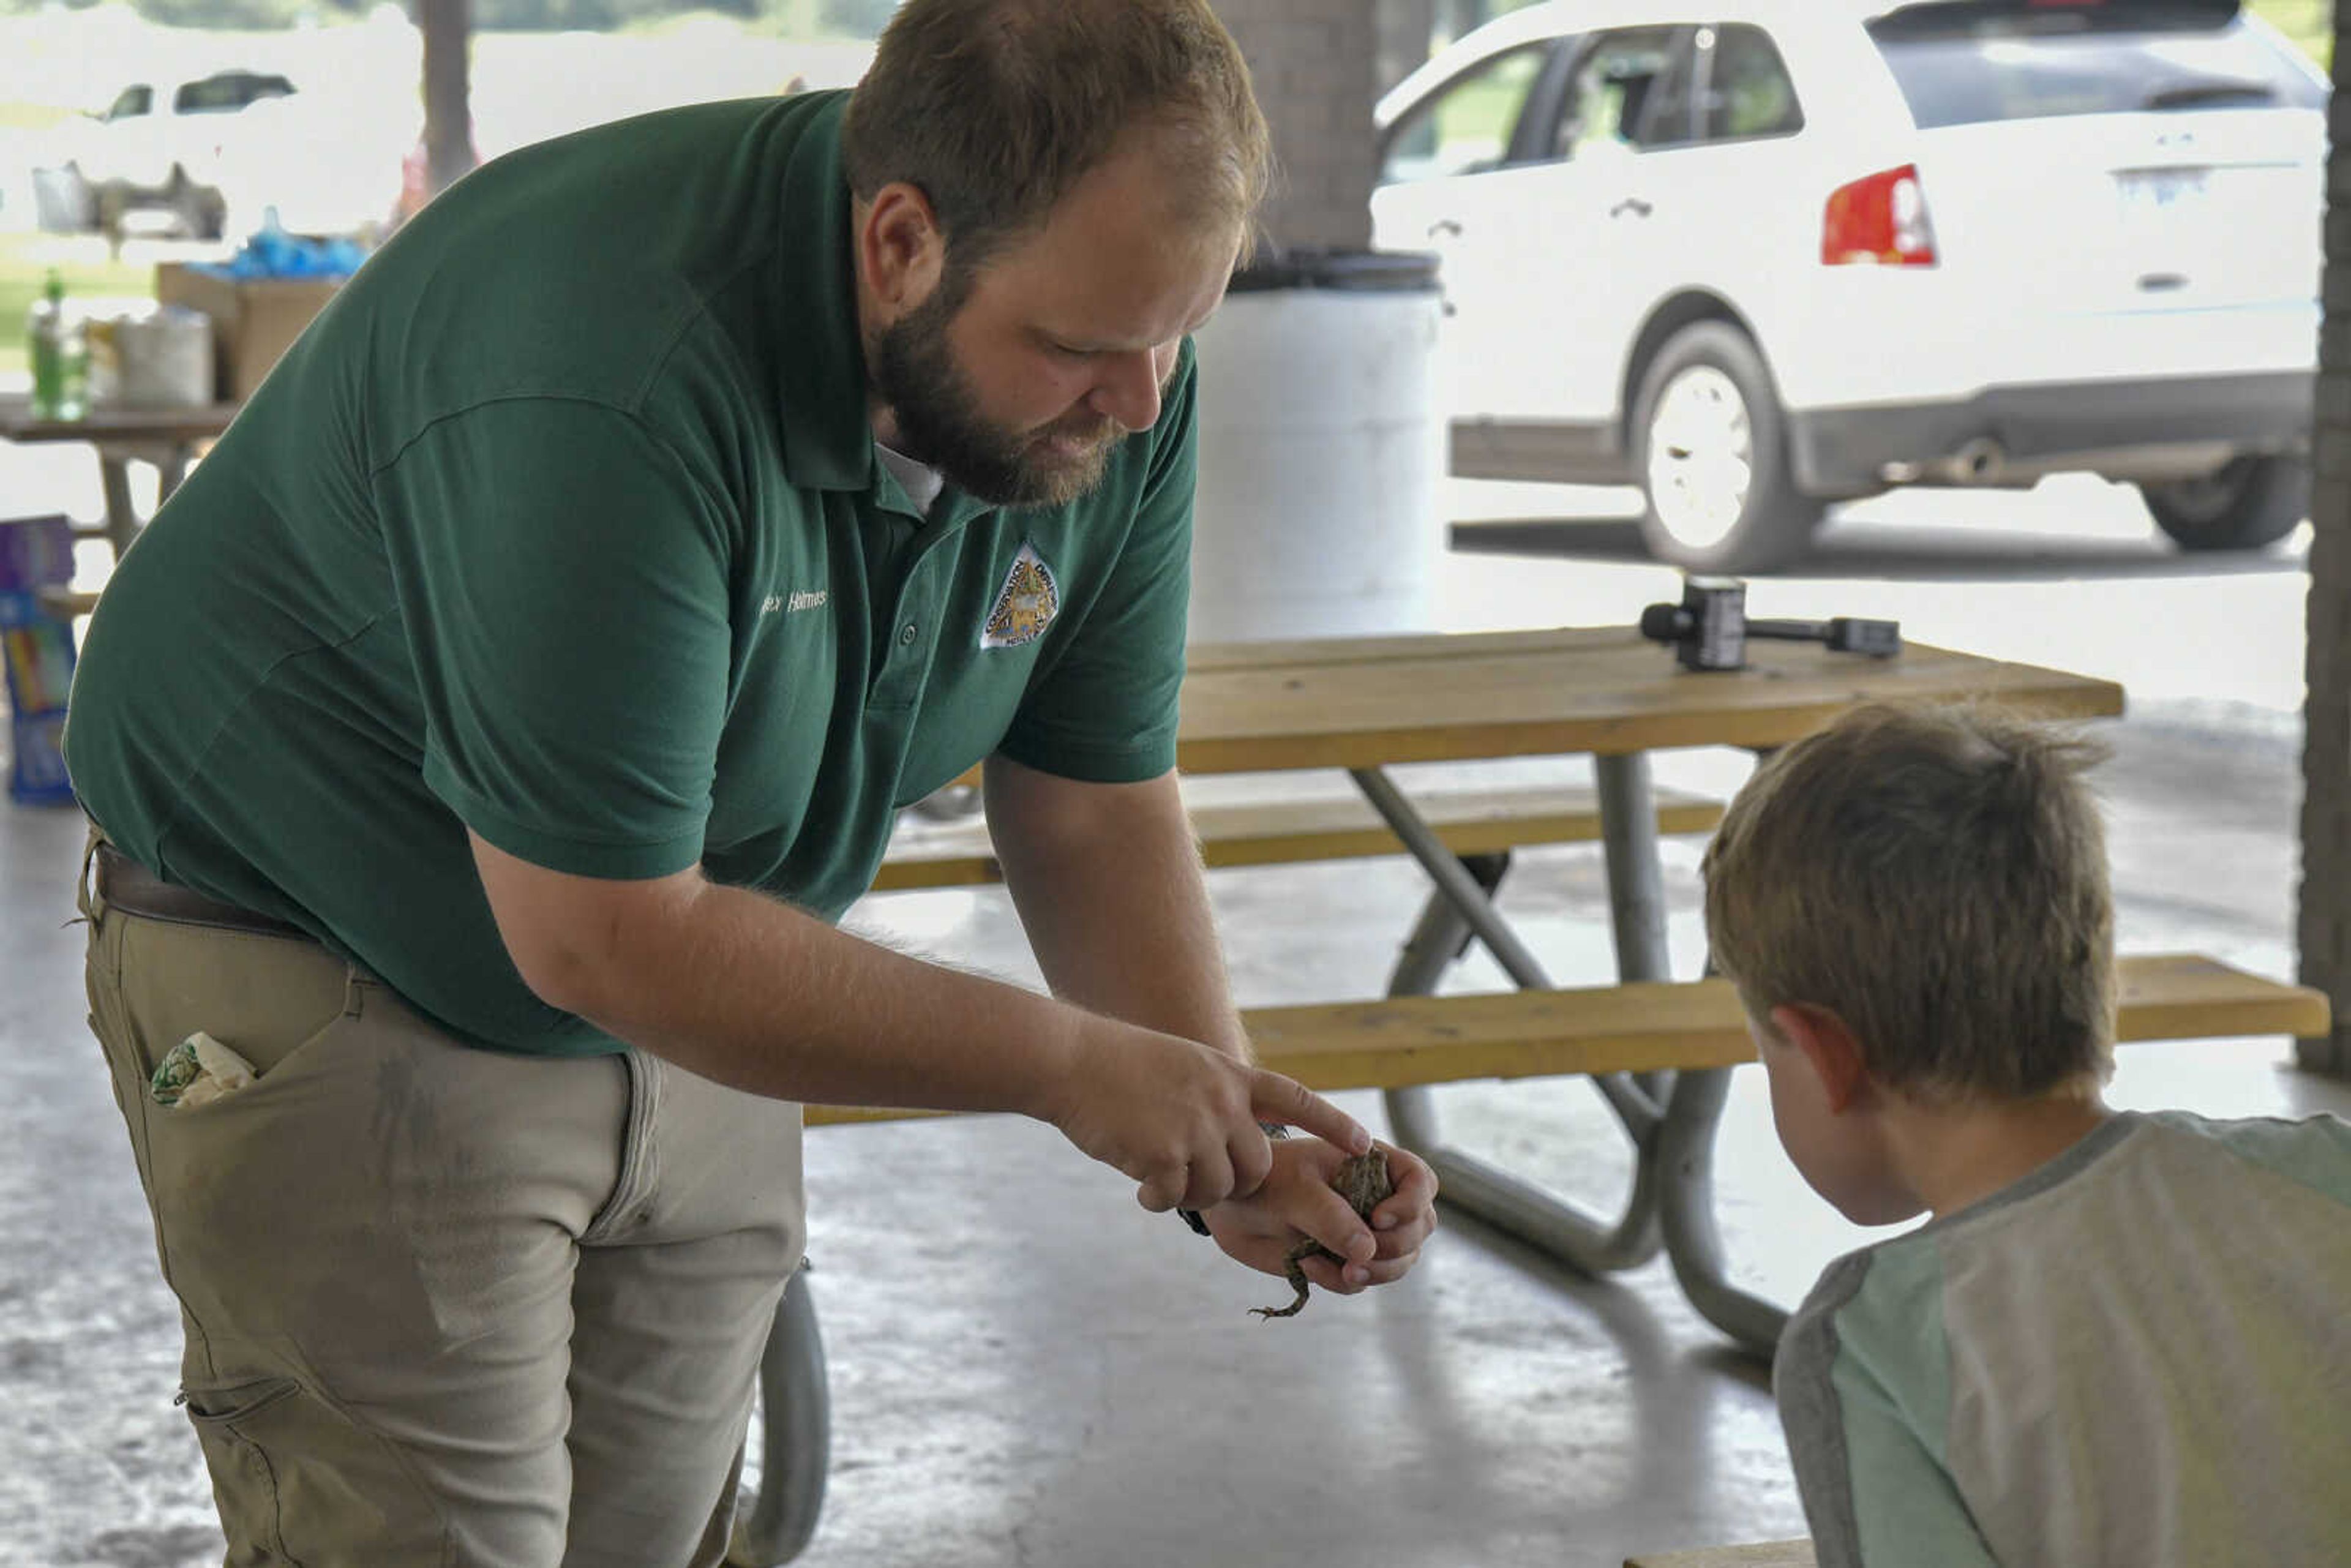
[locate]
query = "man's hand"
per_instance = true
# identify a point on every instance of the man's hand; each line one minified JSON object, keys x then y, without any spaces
{"x":1297,"y":1200}
{"x":1181,"y":1118}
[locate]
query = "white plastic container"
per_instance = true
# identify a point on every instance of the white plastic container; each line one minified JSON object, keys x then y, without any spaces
{"x":155,"y":357}
{"x":1321,"y":452}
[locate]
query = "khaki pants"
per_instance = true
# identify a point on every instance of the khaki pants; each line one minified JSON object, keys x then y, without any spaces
{"x":445,"y":1306}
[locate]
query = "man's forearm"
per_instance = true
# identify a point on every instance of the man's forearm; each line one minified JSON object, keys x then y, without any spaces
{"x":1108,"y":884}
{"x":747,"y":991}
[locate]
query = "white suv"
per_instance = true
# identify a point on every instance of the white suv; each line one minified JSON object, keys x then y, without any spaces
{"x":163,"y":144}
{"x":1758,"y":255}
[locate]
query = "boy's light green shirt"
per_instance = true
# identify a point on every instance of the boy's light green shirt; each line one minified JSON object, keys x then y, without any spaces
{"x":2138,"y":1357}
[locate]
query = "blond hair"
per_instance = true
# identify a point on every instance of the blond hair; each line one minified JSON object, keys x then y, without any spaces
{"x":1937,"y":876}
{"x":995,"y":110}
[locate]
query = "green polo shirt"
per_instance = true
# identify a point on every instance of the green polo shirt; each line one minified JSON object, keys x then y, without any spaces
{"x":564,"y":523}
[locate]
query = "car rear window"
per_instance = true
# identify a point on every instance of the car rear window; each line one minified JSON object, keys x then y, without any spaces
{"x":228,"y":92}
{"x":1971,"y":62}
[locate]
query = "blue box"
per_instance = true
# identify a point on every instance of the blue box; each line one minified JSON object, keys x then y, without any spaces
{"x":37,"y":651}
{"x":36,"y":552}
{"x":37,"y":761}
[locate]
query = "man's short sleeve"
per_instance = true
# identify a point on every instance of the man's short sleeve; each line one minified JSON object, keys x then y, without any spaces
{"x":564,"y":583}
{"x":1105,"y":710}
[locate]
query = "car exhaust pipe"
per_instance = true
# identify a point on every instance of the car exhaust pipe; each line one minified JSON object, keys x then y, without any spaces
{"x":1982,"y":461}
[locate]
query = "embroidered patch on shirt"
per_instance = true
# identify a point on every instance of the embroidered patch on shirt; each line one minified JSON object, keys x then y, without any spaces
{"x":1027,"y":605}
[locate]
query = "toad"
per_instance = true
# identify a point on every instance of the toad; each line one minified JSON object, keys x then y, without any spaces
{"x":1363,"y":1180}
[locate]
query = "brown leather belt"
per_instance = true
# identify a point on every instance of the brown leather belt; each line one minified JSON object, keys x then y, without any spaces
{"x":123,"y":883}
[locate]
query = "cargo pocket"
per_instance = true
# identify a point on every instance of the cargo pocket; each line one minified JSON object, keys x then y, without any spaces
{"x":245,"y":1483}
{"x":298,"y":1481}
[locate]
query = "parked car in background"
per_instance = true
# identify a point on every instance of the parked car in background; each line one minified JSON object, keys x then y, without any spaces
{"x":1760,"y":255}
{"x":163,"y":144}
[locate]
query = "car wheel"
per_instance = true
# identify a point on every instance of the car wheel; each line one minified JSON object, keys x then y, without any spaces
{"x":1710,"y":448}
{"x":109,"y":200}
{"x":2247,"y":504}
{"x":201,"y":210}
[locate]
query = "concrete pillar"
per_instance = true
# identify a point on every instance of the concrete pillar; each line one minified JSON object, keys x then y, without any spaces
{"x":1461,"y":15}
{"x":2325,"y":924}
{"x":448,"y":29}
{"x":1405,"y":30}
{"x":1315,"y":64}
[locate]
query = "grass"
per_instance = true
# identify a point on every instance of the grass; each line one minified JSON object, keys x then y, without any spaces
{"x":88,"y":273}
{"x":33,"y":116}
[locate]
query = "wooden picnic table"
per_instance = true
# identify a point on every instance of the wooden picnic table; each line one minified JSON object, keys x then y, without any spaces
{"x":1364,"y":703}
{"x":1373,"y":702}
{"x":1367,"y":704}
{"x":167,"y":438}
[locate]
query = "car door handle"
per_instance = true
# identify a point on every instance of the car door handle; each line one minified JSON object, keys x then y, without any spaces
{"x":1445,"y":228}
{"x":1633,"y":204}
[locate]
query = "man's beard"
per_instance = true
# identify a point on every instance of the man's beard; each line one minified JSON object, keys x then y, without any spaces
{"x":915,"y":373}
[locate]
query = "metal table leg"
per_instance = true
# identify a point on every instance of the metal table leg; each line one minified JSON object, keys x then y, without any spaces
{"x":1461,"y":890}
{"x":1680,"y":1160}
{"x":796,"y":1413}
{"x":1693,"y":1242}
{"x":1484,"y":1190}
{"x":1461,"y":905}
{"x":1685,"y":1154}
{"x":123,"y":522}
{"x":1671,"y":1117}
{"x":1636,"y":887}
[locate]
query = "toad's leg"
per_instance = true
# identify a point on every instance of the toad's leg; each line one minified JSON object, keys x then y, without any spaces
{"x":1297,"y":1278}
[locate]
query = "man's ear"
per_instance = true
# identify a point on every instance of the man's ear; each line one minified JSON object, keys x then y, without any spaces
{"x":900,"y":248}
{"x":1829,"y":1049}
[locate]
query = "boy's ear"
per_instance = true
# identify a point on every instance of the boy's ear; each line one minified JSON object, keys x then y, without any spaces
{"x":1829,"y":1049}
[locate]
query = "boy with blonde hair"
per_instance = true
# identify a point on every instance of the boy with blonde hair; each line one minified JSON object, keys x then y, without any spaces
{"x":2121,"y":1339}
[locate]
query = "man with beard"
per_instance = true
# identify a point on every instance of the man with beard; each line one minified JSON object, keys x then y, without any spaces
{"x":483,"y":741}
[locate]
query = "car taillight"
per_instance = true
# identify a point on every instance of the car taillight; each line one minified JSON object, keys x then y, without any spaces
{"x":1881,"y":221}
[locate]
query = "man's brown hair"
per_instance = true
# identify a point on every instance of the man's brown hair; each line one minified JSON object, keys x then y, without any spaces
{"x":995,"y":108}
{"x":1937,"y":876}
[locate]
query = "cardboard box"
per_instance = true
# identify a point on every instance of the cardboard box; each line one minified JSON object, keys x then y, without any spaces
{"x":255,"y":319}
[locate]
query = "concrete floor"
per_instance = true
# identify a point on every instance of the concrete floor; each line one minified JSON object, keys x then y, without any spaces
{"x":1026,"y":1368}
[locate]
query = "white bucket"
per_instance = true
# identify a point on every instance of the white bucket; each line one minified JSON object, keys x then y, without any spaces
{"x":159,"y":358}
{"x":1320,"y":451}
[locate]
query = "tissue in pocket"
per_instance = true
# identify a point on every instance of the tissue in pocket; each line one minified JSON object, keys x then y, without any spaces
{"x":197,"y":1071}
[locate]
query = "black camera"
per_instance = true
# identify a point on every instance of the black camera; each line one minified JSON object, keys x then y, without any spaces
{"x":1708,"y":630}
